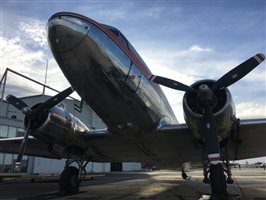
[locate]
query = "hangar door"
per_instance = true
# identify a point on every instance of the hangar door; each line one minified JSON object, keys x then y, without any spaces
{"x":116,"y":167}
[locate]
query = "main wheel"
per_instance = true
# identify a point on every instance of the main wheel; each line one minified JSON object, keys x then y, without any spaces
{"x":69,"y":180}
{"x":218,"y":181}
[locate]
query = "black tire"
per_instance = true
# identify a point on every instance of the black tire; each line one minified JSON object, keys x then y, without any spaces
{"x":69,"y":180}
{"x":218,"y":181}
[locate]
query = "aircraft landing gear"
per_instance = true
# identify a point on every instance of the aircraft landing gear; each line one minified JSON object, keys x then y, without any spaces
{"x":215,"y":175}
{"x":69,"y":180}
{"x":71,"y":177}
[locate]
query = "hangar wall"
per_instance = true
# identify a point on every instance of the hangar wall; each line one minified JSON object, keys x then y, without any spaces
{"x":44,"y":165}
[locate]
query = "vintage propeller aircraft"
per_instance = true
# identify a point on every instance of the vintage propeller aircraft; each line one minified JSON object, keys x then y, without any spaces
{"x":110,"y":76}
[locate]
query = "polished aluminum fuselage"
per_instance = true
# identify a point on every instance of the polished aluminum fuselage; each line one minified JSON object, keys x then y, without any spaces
{"x":107,"y":75}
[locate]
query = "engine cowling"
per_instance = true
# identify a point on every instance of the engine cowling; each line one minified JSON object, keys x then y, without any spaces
{"x":222,"y":106}
{"x":58,"y":126}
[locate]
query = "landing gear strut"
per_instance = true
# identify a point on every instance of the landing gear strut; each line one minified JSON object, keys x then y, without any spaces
{"x":71,"y":176}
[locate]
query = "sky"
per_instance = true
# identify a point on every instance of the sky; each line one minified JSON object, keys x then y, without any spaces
{"x":183,"y":40}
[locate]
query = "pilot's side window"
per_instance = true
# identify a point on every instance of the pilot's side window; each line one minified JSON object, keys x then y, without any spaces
{"x":133,"y":78}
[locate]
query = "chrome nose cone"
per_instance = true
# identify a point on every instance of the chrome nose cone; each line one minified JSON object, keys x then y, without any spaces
{"x":66,"y":32}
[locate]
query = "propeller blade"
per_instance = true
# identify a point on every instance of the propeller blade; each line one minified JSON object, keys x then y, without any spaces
{"x":16,"y":102}
{"x":171,"y":83}
{"x":238,"y":72}
{"x":23,"y":146}
{"x":55,"y":100}
{"x":210,"y":134}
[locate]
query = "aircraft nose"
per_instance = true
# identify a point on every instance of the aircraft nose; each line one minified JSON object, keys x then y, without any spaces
{"x":66,"y":32}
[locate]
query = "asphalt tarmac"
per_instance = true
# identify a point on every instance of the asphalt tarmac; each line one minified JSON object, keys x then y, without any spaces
{"x":250,"y":184}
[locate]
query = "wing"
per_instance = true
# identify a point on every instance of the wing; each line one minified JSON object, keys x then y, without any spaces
{"x":35,"y":147}
{"x":172,"y":145}
{"x":251,"y":140}
{"x":166,"y":147}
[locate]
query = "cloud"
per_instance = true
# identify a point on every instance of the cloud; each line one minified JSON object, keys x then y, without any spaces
{"x":197,"y":48}
{"x":27,"y":52}
{"x":14,"y":55}
{"x":187,"y":62}
{"x":34,"y":30}
{"x":251,"y":110}
{"x":154,"y":12}
{"x":198,"y":62}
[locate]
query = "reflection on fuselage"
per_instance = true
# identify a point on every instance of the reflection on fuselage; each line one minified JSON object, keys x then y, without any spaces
{"x":109,"y":79}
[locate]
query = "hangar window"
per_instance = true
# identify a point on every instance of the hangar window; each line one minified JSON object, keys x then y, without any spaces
{"x":20,"y":132}
{"x":12,"y":132}
{"x":3,"y":131}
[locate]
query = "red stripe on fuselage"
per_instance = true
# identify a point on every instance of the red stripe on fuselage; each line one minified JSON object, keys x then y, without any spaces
{"x":146,"y":71}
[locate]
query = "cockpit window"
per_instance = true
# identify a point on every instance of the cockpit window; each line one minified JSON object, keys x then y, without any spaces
{"x":133,"y":50}
{"x":113,"y":29}
{"x":123,"y":39}
{"x":118,"y":34}
{"x":115,"y":32}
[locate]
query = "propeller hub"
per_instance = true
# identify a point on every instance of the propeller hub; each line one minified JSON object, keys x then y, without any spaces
{"x":204,"y":88}
{"x":205,"y":94}
{"x":27,"y":111}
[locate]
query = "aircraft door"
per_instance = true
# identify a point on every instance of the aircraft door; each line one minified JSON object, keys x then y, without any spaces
{"x":133,"y":78}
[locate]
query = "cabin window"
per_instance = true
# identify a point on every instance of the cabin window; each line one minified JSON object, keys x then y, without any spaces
{"x":133,"y":78}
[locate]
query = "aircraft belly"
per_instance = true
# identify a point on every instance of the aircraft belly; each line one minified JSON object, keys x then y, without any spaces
{"x":98,"y":76}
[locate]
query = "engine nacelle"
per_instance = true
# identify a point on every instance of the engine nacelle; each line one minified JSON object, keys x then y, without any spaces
{"x":223,"y":109}
{"x":57,"y":126}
